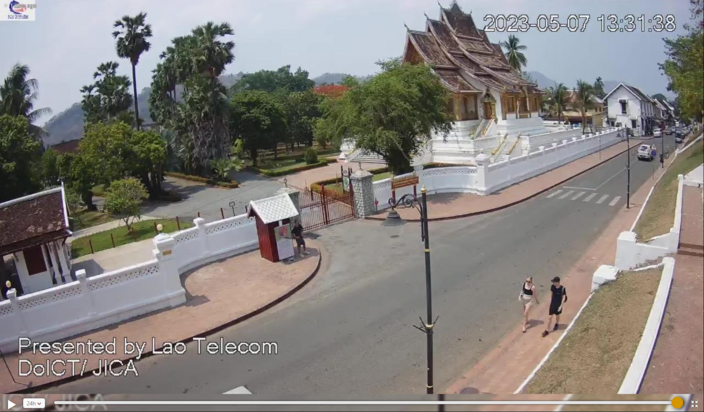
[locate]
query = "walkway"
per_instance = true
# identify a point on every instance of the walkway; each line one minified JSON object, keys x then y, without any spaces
{"x":676,"y":364}
{"x":218,"y":295}
{"x":102,"y":228}
{"x":503,"y":370}
{"x":115,"y":258}
{"x":305,"y":178}
{"x":454,"y":205}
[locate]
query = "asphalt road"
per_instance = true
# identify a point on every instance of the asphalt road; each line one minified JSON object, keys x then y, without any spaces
{"x":350,"y":331}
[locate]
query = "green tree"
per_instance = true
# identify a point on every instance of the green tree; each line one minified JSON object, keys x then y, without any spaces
{"x":149,"y":157}
{"x":123,"y":199}
{"x":275,"y":80}
{"x":18,"y":154}
{"x":50,"y":168}
{"x":258,"y":119}
{"x":303,"y":111}
{"x":514,"y":55}
{"x":585,"y":100}
{"x":684,"y":66}
{"x":18,"y":94}
{"x":598,"y":88}
{"x":557,"y":97}
{"x":393,"y":114}
{"x":108,"y":97}
{"x":222,"y":167}
{"x":132,"y":36}
{"x":659,"y":96}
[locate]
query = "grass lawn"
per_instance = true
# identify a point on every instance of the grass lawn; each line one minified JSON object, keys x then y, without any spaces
{"x":596,"y":354}
{"x":101,"y":241}
{"x":381,"y":176}
{"x":659,"y":214}
{"x":86,"y":218}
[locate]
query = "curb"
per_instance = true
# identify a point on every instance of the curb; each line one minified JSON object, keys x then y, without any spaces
{"x":636,"y":372}
{"x":233,"y":322}
{"x":481,"y":212}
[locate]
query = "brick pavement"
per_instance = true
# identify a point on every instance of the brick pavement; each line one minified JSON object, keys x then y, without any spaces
{"x":678,"y":359}
{"x":502,"y":370}
{"x":456,"y":205}
{"x":218,"y":295}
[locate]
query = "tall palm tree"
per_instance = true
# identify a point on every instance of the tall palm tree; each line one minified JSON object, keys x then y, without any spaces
{"x":585,"y":100}
{"x":559,"y":96}
{"x":599,"y":88}
{"x":132,"y":35}
{"x":17,"y":96}
{"x":516,"y":59}
{"x":212,"y":55}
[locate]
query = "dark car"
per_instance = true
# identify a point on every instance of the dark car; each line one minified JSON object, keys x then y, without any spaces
{"x":679,"y":136}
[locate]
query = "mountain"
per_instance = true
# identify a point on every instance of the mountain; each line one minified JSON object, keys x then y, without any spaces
{"x":543,"y":81}
{"x":68,"y":125}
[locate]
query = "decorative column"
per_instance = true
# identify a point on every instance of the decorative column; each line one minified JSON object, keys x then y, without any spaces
{"x":456,"y":105}
{"x":47,"y":263}
{"x":87,"y":295}
{"x":54,"y":261}
{"x":168,"y":269}
{"x":202,"y":236}
{"x":363,"y":193}
{"x":12,"y":297}
{"x":62,"y":259}
{"x":482,"y":182}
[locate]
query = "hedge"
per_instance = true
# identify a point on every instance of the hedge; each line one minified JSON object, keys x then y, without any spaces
{"x":233,"y":184}
{"x":282,"y":172}
{"x":315,"y":186}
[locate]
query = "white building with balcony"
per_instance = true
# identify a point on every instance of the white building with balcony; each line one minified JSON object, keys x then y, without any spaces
{"x":628,"y":106}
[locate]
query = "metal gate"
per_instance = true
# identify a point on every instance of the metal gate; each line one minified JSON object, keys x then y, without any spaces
{"x":319,"y":209}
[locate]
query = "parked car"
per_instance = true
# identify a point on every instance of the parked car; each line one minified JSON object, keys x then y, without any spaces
{"x":657,"y":133}
{"x":644,"y":153}
{"x":679,"y":138}
{"x":670,"y":130}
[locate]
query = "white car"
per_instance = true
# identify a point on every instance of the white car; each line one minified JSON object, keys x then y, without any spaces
{"x":644,"y":153}
{"x":657,"y":133}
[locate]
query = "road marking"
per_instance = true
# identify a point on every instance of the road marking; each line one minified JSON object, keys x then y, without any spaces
{"x":240,"y":390}
{"x":598,"y":187}
{"x":554,"y":193}
{"x":590,"y":197}
{"x":616,"y":199}
{"x":601,"y":200}
{"x":578,"y":195}
{"x":566,"y":194}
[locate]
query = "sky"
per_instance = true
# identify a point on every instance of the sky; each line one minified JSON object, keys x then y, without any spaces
{"x":69,"y":39}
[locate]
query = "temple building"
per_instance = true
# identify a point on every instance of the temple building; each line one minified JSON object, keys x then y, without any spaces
{"x":491,"y":104}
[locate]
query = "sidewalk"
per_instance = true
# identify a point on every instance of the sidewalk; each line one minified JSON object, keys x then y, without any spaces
{"x":303,"y":179}
{"x":676,"y":363}
{"x":456,"y":205}
{"x":503,"y":370}
{"x":219,"y":295}
{"x":115,"y":258}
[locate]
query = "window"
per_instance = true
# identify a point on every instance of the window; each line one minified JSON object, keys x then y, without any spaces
{"x":470,"y":107}
{"x":34,"y":259}
{"x":624,"y":106}
{"x":633,"y":124}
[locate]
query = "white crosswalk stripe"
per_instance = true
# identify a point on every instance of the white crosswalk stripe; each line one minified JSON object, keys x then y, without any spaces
{"x":616,"y":199}
{"x":566,"y":194}
{"x":601,"y":200}
{"x":578,"y":195}
{"x":590,"y":197}
{"x":554,"y":194}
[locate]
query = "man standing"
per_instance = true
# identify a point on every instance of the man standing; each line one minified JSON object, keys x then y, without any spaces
{"x":558,"y":299}
{"x":298,"y":235}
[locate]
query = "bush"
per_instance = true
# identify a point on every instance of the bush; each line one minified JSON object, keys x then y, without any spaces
{"x":282,"y":172}
{"x":311,"y":156}
{"x":232,"y":184}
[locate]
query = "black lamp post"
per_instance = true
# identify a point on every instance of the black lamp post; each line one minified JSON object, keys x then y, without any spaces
{"x":393,"y":219}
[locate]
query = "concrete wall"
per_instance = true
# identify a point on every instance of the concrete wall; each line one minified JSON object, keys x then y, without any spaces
{"x":91,"y":303}
{"x":487,"y":178}
{"x":630,"y":253}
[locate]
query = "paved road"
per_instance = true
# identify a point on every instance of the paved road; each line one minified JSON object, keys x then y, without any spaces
{"x":349,"y":332}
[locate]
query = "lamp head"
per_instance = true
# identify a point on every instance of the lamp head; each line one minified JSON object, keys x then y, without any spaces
{"x":393,"y":219}
{"x":160,"y":228}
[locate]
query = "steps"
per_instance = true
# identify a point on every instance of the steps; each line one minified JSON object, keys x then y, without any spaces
{"x":364,"y":156}
{"x":690,"y":249}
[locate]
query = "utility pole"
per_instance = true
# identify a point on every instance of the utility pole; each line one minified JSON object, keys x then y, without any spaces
{"x":662,"y":151}
{"x":628,"y":170}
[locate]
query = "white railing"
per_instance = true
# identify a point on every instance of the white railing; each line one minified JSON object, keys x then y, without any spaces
{"x":98,"y":301}
{"x":486,"y":178}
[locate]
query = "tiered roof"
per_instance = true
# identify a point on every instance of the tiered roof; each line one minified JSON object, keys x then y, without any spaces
{"x":454,"y":46}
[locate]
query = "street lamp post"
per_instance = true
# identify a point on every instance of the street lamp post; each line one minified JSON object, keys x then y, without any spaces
{"x":393,"y":219}
{"x":628,"y":170}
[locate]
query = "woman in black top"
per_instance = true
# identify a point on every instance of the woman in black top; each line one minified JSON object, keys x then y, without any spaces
{"x":527,"y":296}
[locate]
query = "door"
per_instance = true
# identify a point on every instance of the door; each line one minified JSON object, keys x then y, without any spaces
{"x":488,"y":112}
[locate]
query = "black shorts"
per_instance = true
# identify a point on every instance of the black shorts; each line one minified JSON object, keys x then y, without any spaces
{"x":555,"y":310}
{"x":300,"y":241}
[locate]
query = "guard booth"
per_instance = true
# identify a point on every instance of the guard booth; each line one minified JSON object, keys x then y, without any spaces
{"x":274,"y":216}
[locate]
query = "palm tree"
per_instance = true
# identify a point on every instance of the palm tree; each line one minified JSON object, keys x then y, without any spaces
{"x":558,"y":96}
{"x":585,"y":100}
{"x":212,"y":55}
{"x":515,"y":58}
{"x":131,"y":43}
{"x":17,"y":97}
{"x":599,"y":88}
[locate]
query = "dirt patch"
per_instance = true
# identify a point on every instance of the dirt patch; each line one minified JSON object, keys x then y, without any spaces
{"x":596,"y":354}
{"x":659,"y":213}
